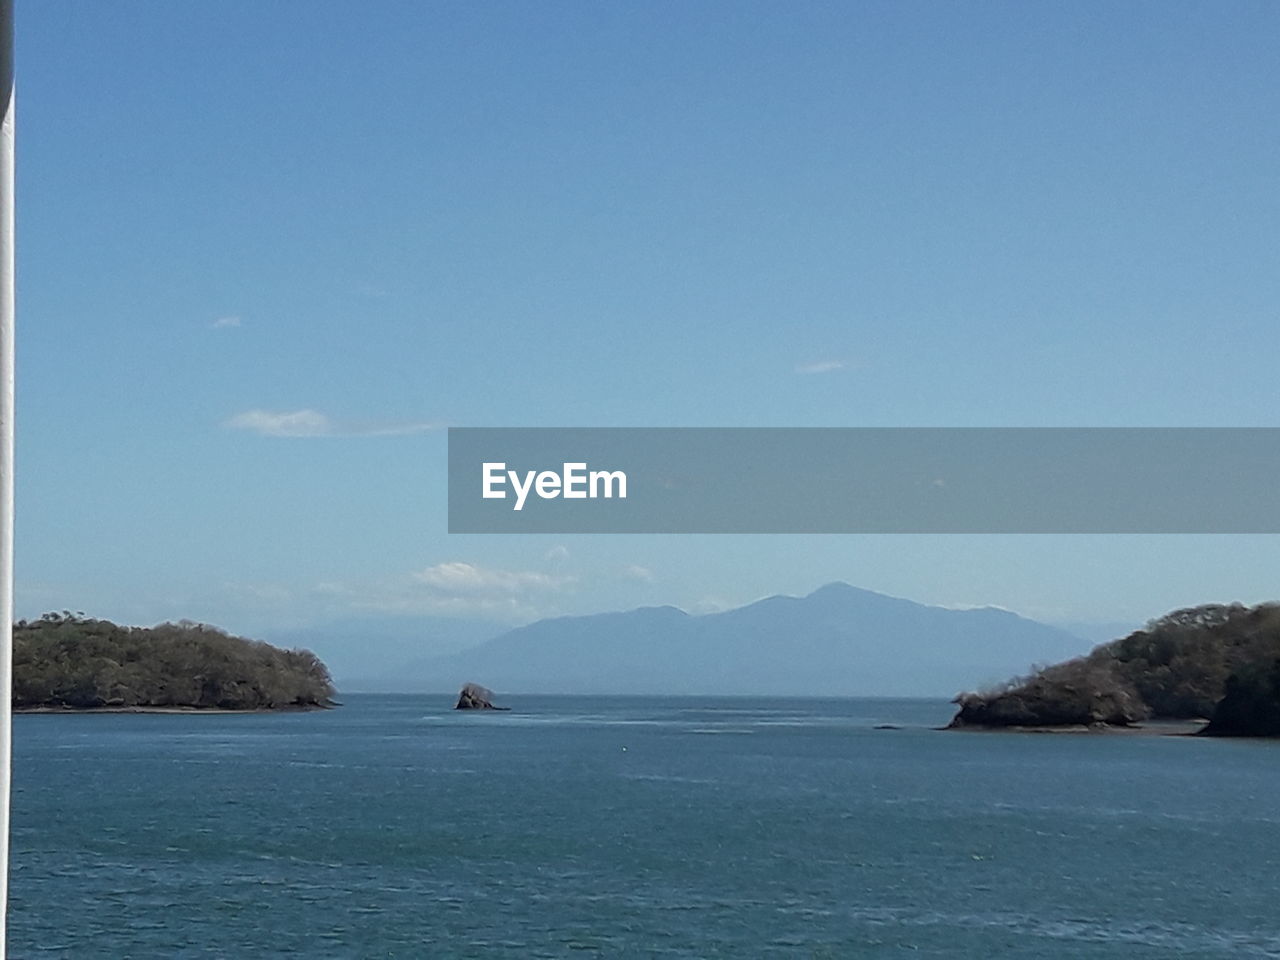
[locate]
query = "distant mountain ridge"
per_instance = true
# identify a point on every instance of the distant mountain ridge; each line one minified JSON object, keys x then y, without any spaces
{"x":837,"y":641}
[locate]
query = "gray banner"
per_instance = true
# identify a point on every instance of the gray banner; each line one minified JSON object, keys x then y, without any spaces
{"x":864,"y":480}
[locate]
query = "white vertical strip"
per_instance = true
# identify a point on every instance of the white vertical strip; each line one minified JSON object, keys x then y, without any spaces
{"x":6,"y":454}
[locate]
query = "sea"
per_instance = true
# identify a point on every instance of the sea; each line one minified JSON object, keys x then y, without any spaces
{"x":395,"y":826}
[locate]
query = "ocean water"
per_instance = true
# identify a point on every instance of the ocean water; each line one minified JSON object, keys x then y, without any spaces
{"x":634,"y":827}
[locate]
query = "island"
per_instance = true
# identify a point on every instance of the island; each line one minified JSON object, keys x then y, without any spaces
{"x":1215,"y":667}
{"x":70,"y":662}
{"x":475,"y":697}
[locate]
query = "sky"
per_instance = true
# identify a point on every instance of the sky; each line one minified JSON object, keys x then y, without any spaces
{"x":268,"y":252}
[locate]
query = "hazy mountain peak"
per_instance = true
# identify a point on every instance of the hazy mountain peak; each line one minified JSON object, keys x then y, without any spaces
{"x":840,"y":640}
{"x":838,"y":588}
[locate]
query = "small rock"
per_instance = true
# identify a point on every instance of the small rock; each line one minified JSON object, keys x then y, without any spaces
{"x":476,"y":697}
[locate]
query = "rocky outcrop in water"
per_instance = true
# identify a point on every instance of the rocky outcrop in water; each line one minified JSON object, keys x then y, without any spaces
{"x":476,"y":697}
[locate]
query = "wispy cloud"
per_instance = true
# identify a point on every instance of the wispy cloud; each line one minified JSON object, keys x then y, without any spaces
{"x":466,"y":589}
{"x":297,"y":423}
{"x":820,"y":366}
{"x":313,"y":423}
{"x":634,"y":571}
{"x":223,"y":322}
{"x":458,"y":588}
{"x":451,"y":589}
{"x":459,"y":578}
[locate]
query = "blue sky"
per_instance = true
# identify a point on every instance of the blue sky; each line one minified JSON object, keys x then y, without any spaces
{"x":267,"y":250}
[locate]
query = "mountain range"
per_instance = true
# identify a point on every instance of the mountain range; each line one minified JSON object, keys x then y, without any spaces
{"x":837,"y":641}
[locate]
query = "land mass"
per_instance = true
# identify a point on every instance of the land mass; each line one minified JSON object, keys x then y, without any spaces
{"x":67,"y":661}
{"x":1218,"y":664}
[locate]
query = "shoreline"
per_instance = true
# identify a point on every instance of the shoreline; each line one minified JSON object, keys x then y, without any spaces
{"x":1152,"y":728}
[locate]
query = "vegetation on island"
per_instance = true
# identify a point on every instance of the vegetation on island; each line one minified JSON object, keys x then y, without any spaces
{"x":1218,"y":661}
{"x":66,"y":660}
{"x":1250,"y":706}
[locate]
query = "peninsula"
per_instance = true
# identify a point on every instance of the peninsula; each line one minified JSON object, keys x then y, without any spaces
{"x":1218,"y":663}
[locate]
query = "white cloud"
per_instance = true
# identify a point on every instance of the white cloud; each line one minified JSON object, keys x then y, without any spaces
{"x":297,"y":423}
{"x":313,"y":423}
{"x":452,"y":589}
{"x":465,"y":589}
{"x":460,"y":578}
{"x":820,"y":366}
{"x":633,"y":571}
{"x":223,"y":322}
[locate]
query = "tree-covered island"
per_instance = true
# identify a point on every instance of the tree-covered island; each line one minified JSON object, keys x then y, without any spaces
{"x":71,"y":662}
{"x":1216,"y":662}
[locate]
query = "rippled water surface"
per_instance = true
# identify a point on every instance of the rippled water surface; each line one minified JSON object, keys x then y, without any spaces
{"x":395,"y":827}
